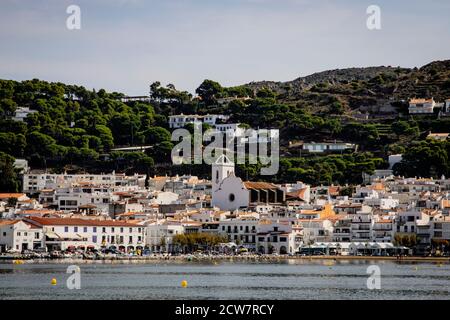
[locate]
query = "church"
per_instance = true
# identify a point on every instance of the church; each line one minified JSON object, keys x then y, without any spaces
{"x":231,"y":193}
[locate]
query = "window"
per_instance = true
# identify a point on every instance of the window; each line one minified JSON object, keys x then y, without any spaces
{"x":121,"y":230}
{"x":283,"y":239}
{"x":94,"y":229}
{"x":112,"y":230}
{"x":18,"y":233}
{"x":130,"y":239}
{"x":36,"y":235}
{"x":75,"y":229}
{"x":94,"y":239}
{"x":104,"y":230}
{"x":84,"y":229}
{"x":131,"y":230}
{"x":231,"y":197}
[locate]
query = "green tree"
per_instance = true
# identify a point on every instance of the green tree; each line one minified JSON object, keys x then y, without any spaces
{"x":9,"y":181}
{"x":209,"y":90}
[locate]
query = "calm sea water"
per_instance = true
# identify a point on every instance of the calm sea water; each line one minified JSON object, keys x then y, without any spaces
{"x":290,"y":279}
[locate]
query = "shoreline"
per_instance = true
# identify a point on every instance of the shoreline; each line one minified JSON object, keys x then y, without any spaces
{"x":193,"y":258}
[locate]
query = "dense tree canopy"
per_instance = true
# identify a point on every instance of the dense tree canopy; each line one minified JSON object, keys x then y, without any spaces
{"x":80,"y":128}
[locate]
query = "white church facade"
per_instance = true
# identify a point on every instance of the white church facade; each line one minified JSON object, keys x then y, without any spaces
{"x":231,"y":193}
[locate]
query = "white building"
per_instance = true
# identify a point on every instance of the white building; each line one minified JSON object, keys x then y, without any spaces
{"x":34,"y":182}
{"x":383,"y":230}
{"x":231,"y":129}
{"x":179,"y":121}
{"x":328,"y":146}
{"x":407,"y":220}
{"x":160,"y":235}
{"x":274,"y":237}
{"x":316,"y":230}
{"x":66,"y":233}
{"x":18,"y":236}
{"x":447,"y":106}
{"x":421,"y":106}
{"x":21,"y":165}
{"x":241,"y":231}
{"x":22,"y":113}
{"x":362,"y":225}
{"x":438,"y":136}
{"x":96,"y":199}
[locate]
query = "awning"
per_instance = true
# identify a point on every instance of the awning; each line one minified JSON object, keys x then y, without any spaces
{"x":51,"y":235}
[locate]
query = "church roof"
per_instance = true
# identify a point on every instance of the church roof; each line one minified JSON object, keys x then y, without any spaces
{"x":259,"y":185}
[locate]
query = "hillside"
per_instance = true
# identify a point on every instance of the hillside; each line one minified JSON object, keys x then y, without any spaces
{"x":77,"y":129}
{"x":372,"y":89}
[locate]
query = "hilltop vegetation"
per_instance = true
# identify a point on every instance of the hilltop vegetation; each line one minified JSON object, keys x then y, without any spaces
{"x":77,"y":129}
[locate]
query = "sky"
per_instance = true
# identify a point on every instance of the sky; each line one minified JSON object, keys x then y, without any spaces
{"x":124,"y":45}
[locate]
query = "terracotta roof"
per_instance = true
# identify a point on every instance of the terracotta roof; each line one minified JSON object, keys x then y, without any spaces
{"x":80,"y":222}
{"x":333,"y":190}
{"x":8,"y":222}
{"x":298,"y":194}
{"x":131,"y":214}
{"x":446,"y":203}
{"x":420,"y":100}
{"x":87,"y":206}
{"x":36,"y":211}
{"x":259,"y":185}
{"x":438,"y":134}
{"x":384,"y":221}
{"x":11,"y":195}
{"x":378,"y":186}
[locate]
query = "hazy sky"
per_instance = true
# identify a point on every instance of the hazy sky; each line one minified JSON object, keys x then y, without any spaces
{"x":124,"y":45}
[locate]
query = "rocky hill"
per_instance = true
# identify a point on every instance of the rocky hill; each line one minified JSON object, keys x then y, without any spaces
{"x":371,"y":89}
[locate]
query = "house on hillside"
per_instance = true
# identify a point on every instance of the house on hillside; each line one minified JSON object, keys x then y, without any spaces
{"x":421,"y":106}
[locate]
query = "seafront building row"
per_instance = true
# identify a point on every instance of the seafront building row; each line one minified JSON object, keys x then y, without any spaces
{"x":136,"y":213}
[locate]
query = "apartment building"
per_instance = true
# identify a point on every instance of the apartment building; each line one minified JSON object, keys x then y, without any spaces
{"x":67,"y":233}
{"x":159,"y":235}
{"x":241,"y":230}
{"x":35,"y":182}
{"x":275,"y":237}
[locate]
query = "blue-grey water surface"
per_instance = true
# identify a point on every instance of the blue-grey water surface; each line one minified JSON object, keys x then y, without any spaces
{"x":289,"y":279}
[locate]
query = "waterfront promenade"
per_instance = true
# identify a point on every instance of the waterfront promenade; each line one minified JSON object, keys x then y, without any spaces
{"x":215,"y":258}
